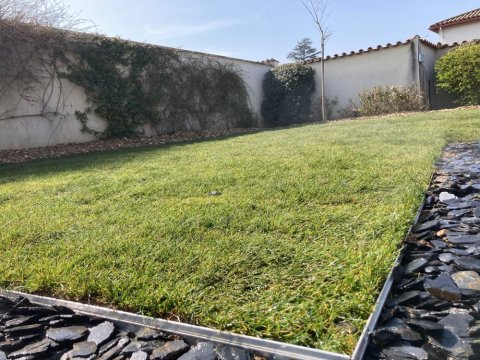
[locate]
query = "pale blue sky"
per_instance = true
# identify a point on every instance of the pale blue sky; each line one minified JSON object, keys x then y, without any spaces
{"x":261,"y":29}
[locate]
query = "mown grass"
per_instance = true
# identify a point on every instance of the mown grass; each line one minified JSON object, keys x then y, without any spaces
{"x":301,"y":238}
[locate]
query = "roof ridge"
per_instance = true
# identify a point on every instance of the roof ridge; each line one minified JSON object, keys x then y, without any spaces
{"x":465,"y":17}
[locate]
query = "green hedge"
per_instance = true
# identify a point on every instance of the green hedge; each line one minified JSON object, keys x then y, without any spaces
{"x":287,"y":94}
{"x":458,"y":72}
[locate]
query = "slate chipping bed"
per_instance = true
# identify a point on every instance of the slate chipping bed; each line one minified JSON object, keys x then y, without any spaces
{"x":29,"y":331}
{"x":433,"y":311}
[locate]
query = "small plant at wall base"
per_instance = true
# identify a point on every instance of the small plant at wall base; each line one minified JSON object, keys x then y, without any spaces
{"x":390,"y":99}
{"x":287,"y":94}
{"x":458,"y":72}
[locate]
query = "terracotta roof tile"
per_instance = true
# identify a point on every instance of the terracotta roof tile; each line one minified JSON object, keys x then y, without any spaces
{"x":389,"y":45}
{"x":473,"y":15}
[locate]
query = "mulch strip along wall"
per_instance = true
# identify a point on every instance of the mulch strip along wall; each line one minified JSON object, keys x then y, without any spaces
{"x":16,"y":156}
{"x":433,"y":311}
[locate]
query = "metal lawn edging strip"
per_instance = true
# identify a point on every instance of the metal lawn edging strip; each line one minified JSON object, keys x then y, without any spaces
{"x":372,"y":321}
{"x":267,"y":348}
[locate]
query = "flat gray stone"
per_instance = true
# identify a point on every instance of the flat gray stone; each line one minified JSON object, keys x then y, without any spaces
{"x":83,"y":349}
{"x":415,"y":266}
{"x":201,"y":351}
{"x":467,"y":280}
{"x":148,"y":334}
{"x":134,"y":346}
{"x":452,"y":344}
{"x":3,"y":356}
{"x":139,"y":355}
{"x":468,"y":263}
{"x":466,"y":239}
{"x":113,"y":352}
{"x":69,"y":333}
{"x":428,"y":225}
{"x":35,"y":349}
{"x":459,"y":324}
{"x":443,"y":288}
{"x":232,"y":353}
{"x":446,"y":258}
{"x":169,"y":350}
{"x":101,"y":333}
{"x":405,"y":352}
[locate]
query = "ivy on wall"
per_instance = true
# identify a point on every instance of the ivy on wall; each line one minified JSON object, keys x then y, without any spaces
{"x":131,"y":84}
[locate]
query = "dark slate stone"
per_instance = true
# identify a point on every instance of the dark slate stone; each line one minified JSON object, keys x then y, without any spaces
{"x":83,"y":349}
{"x":152,"y":345}
{"x":24,"y":330}
{"x":21,"y":320}
{"x":443,"y":287}
{"x":169,"y":350}
{"x":36,"y":349}
{"x":232,"y":353}
{"x":201,"y":351}
{"x":405,"y":352}
{"x":429,"y":225}
{"x":458,"y":206}
{"x":447,"y":258}
{"x":101,"y":333}
{"x":468,"y":263}
{"x":405,"y":297}
{"x":134,"y":346}
{"x":459,"y":324}
{"x":150,"y":334}
{"x":49,"y":319}
{"x":466,"y":239}
{"x":139,"y":355}
{"x":12,"y":345}
{"x":35,"y":310}
{"x":452,"y":345}
{"x":395,"y":329}
{"x":69,"y":333}
{"x":459,"y":252}
{"x":63,"y":309}
{"x":114,"y":351}
{"x":107,"y":346}
{"x":415,"y":266}
{"x":438,"y":244}
{"x":425,"y":326}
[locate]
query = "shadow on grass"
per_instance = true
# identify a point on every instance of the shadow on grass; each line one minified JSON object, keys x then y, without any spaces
{"x":18,"y":171}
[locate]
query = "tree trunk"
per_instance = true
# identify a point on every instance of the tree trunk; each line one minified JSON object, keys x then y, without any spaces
{"x":322,"y":66}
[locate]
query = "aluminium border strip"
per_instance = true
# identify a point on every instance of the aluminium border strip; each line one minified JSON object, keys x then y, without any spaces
{"x":362,"y":344}
{"x":267,"y":348}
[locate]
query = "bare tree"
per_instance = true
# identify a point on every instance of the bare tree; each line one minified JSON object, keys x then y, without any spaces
{"x":318,"y":11}
{"x":52,"y":13}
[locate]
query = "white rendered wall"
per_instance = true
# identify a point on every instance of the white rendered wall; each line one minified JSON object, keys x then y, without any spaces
{"x":21,"y":126}
{"x":459,"y":33}
{"x":347,"y":76}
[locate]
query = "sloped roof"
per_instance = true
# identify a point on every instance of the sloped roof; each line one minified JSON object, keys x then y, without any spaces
{"x":473,"y":15}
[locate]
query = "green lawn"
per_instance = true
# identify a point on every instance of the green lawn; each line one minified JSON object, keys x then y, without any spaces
{"x":301,"y":238}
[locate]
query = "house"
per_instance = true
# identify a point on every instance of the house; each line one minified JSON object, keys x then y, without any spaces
{"x":463,"y":27}
{"x":403,"y":63}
